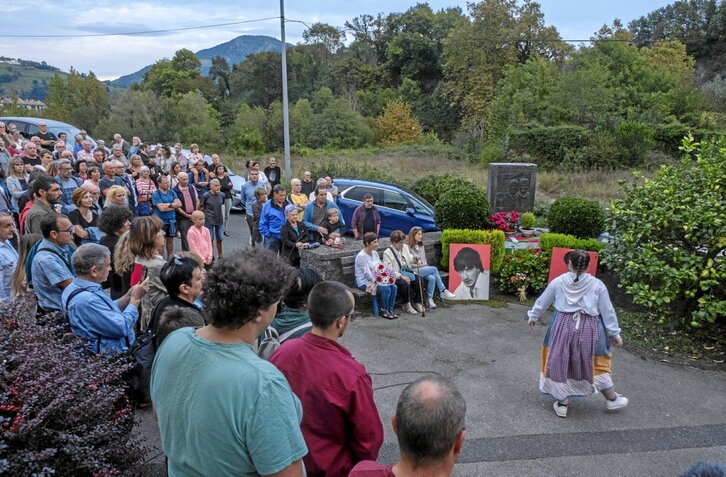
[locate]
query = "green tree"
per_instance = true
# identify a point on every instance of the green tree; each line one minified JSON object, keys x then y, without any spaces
{"x":80,"y":100}
{"x":246,"y":136}
{"x":192,"y":119}
{"x":669,"y":232}
{"x":327,"y":35}
{"x":134,"y":113}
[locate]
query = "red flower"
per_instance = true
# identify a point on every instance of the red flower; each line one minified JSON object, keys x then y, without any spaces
{"x":379,"y":279}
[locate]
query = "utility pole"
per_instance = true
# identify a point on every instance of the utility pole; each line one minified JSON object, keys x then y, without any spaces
{"x":285,"y":115}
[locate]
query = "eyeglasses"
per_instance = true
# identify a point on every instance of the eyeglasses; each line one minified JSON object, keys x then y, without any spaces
{"x":69,"y":230}
{"x":352,"y":316}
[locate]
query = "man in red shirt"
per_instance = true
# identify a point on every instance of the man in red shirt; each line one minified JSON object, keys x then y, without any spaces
{"x":429,"y":424}
{"x":340,"y":421}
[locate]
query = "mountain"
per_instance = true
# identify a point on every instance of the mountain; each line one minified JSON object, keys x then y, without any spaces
{"x":234,"y":51}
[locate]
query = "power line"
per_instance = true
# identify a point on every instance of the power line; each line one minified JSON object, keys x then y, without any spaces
{"x":145,"y":32}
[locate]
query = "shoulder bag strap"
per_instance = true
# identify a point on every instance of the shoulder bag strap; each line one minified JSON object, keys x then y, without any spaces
{"x":287,"y":334}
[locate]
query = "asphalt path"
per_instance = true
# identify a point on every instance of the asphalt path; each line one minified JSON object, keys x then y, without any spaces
{"x":676,"y":416}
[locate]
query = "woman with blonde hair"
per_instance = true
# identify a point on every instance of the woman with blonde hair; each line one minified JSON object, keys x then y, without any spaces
{"x":116,"y":195}
{"x":17,"y":181}
{"x":18,"y":286}
{"x":140,"y":249}
{"x":426,"y":271}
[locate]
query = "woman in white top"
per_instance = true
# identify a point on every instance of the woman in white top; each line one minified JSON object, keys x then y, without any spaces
{"x":365,"y":264}
{"x":576,"y":352}
{"x":398,"y":257}
{"x":429,"y":272}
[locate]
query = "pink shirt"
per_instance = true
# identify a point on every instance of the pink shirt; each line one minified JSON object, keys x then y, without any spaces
{"x":200,"y":242}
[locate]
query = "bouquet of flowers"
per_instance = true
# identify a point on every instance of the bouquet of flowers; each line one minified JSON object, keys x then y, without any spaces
{"x":385,"y":275}
{"x":505,"y":221}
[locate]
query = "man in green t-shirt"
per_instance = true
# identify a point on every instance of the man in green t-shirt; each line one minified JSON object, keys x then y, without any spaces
{"x":222,"y":410}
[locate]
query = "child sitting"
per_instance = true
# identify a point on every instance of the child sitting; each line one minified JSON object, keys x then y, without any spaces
{"x":199,"y":238}
{"x":334,"y":227}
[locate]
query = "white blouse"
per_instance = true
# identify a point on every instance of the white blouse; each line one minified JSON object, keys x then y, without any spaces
{"x":588,"y":295}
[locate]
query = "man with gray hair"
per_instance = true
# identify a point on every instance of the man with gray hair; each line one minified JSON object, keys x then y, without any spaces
{"x":93,"y":315}
{"x":117,"y":154}
{"x":68,"y":183}
{"x":429,"y":424}
{"x":86,"y":153}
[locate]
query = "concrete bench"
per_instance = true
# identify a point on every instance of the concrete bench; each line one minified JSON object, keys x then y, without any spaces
{"x":339,"y":264}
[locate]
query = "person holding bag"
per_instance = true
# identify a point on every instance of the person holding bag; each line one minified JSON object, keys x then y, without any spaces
{"x":399,"y":258}
{"x":366,"y":263}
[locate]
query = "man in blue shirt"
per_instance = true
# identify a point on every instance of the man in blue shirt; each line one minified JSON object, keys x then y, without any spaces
{"x":68,"y":184}
{"x":92,"y":314}
{"x":316,"y":211}
{"x":51,"y":269}
{"x":8,"y":255}
{"x":273,"y":218}
{"x":166,"y":203}
{"x":248,"y":197}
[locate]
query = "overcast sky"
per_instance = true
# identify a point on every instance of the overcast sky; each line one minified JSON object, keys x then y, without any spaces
{"x":112,"y":56}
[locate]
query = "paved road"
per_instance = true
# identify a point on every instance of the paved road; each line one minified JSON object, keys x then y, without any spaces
{"x":676,"y":416}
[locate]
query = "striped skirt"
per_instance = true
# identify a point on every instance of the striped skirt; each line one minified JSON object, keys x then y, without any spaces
{"x":575,"y":357}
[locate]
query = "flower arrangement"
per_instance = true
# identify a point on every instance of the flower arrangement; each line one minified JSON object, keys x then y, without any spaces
{"x":385,"y":275}
{"x":505,"y":221}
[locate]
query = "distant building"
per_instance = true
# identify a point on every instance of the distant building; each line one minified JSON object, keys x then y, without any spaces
{"x":23,"y":103}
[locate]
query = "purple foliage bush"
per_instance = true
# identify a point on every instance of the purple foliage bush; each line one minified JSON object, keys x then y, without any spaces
{"x":61,"y":411}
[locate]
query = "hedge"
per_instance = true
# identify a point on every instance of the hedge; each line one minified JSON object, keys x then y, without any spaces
{"x":549,"y":241}
{"x":495,"y":238}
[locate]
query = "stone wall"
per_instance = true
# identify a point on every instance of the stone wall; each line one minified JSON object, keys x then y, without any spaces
{"x":327,"y":261}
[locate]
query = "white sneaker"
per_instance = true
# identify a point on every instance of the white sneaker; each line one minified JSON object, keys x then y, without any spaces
{"x":409,"y":309}
{"x":431,"y":303}
{"x":560,"y":410}
{"x":419,"y":307}
{"x":447,"y":295}
{"x":619,"y":402}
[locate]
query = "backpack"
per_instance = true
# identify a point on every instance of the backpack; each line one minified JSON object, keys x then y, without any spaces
{"x":142,"y":354}
{"x":272,"y":340}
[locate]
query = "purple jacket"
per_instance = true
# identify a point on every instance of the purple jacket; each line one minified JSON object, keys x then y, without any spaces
{"x":359,"y":215}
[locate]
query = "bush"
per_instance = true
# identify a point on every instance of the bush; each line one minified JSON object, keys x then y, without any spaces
{"x":397,"y":125}
{"x":495,"y":238}
{"x":61,"y":413}
{"x":582,"y":218}
{"x":669,"y":233}
{"x":636,"y":138}
{"x":463,"y":207}
{"x":524,"y":267}
{"x":432,"y":186}
{"x":357,"y":170}
{"x":549,"y":145}
{"x":528,"y":220}
{"x":491,"y":153}
{"x":549,"y":241}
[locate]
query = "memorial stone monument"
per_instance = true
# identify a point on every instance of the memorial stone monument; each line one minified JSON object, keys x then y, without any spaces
{"x":511,"y":187}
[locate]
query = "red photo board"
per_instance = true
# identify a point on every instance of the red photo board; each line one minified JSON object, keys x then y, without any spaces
{"x":558,"y":266}
{"x":471,"y":282}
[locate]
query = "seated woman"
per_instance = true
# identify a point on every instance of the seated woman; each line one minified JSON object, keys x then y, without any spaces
{"x":430,"y":273}
{"x":365,"y":264}
{"x":399,"y":258}
{"x":294,"y":236}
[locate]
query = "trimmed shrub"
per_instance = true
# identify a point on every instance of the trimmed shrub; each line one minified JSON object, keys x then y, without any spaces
{"x":524,"y":267}
{"x":432,"y":186}
{"x":576,"y":216}
{"x":549,"y":241}
{"x":495,"y":238}
{"x":463,"y":207}
{"x":61,"y":413}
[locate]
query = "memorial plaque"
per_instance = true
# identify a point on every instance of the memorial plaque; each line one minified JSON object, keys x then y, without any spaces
{"x":511,"y":187}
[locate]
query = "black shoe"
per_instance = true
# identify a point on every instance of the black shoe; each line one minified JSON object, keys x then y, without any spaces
{"x":226,"y":234}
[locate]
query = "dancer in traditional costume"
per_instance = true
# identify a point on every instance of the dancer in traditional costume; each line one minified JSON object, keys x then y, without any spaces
{"x":576,"y":351}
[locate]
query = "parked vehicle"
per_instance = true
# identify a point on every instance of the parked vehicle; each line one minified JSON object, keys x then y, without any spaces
{"x":399,"y":207}
{"x":28,"y":127}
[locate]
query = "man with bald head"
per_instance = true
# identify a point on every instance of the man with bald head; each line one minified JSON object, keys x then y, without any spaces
{"x":109,"y":177}
{"x":429,"y":425}
{"x":85,"y":154}
{"x":297,"y":197}
{"x":30,"y":154}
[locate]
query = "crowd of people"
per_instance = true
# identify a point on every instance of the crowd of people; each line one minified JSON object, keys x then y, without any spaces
{"x":96,"y":243}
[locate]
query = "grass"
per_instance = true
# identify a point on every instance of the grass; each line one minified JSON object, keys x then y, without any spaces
{"x":701,"y":347}
{"x":598,"y":185}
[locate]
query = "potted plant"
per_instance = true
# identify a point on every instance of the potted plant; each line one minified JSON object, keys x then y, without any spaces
{"x":505,"y":221}
{"x":527,"y":224}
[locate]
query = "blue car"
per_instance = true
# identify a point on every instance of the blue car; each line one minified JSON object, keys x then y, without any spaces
{"x":400,"y":208}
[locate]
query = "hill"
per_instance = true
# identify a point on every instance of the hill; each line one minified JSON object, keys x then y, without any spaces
{"x":234,"y":51}
{"x":29,"y":79}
